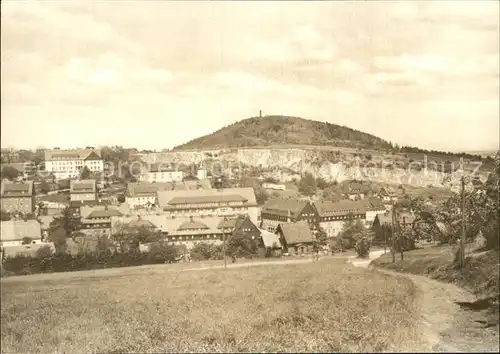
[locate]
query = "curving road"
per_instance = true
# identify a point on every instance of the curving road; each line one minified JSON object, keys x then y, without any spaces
{"x":444,"y":325}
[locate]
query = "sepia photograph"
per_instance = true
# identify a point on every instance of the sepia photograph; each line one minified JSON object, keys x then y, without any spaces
{"x":250,"y":176}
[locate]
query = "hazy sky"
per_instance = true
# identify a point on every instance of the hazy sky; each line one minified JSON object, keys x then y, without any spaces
{"x":156,"y":74}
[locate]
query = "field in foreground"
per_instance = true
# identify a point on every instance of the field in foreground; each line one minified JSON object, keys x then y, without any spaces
{"x":321,"y":306}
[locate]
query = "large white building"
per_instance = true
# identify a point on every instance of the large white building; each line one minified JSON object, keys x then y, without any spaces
{"x":159,"y":173}
{"x":69,"y":163}
{"x":143,"y":194}
{"x":227,"y":202}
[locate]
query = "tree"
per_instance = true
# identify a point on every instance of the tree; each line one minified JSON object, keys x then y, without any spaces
{"x":350,"y":230}
{"x":10,"y":173}
{"x":130,"y":237}
{"x":321,"y":183}
{"x":363,"y":247}
{"x":320,"y":239}
{"x":307,"y":185}
{"x":44,"y":252}
{"x":332,"y":193}
{"x":4,"y":215}
{"x":27,"y":241}
{"x":66,"y":221}
{"x":121,"y":198}
{"x":261,"y":196}
{"x":58,"y":237}
{"x":161,"y":251}
{"x":205,"y":251}
{"x":44,"y":187}
{"x":85,"y":173}
{"x":239,"y":245}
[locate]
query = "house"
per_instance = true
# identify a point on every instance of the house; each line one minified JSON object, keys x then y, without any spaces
{"x":17,"y":197}
{"x":373,"y":207}
{"x":69,"y":163}
{"x":333,"y":215}
{"x":26,"y":170}
{"x":279,"y":210}
{"x":271,"y":245}
{"x":13,"y":232}
{"x":83,"y":190}
{"x":160,"y":173}
{"x":295,"y":237}
{"x":354,"y":190}
{"x":189,"y":231}
{"x":274,"y":186}
{"x":241,"y":224}
{"x":201,"y":173}
{"x":143,"y":194}
{"x":229,"y":202}
{"x":97,"y":220}
{"x":388,"y":196}
{"x":382,"y":225}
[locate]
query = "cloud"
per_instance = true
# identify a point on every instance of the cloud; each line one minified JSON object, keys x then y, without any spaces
{"x":186,"y":68}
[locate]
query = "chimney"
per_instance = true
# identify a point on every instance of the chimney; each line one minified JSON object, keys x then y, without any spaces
{"x":138,"y":217}
{"x":106,"y":207}
{"x":191,"y":220}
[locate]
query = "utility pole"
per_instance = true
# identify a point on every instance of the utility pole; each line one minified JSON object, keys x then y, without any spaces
{"x":462,"y":240}
{"x":224,"y":247}
{"x":393,"y":235}
{"x":384,"y":230}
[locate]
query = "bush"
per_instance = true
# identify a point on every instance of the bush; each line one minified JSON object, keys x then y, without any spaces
{"x":339,"y":244}
{"x":206,"y":251}
{"x":161,"y":252}
{"x":363,"y":247}
{"x":46,"y":262}
{"x":44,"y":252}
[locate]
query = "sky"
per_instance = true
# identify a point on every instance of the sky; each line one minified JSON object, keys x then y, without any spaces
{"x":156,"y":74}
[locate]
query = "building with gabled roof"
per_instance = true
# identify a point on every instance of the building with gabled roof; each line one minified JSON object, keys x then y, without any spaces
{"x":189,"y":231}
{"x":333,"y":215}
{"x":143,"y":194}
{"x":83,"y":190}
{"x":373,"y":207}
{"x":228,"y":202}
{"x":13,"y":232}
{"x":388,"y":196}
{"x":276,"y":211}
{"x":96,"y":220}
{"x":69,"y":163}
{"x":17,"y":197}
{"x":295,"y":237}
{"x":160,"y":172}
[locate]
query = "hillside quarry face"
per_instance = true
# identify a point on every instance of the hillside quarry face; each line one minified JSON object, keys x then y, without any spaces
{"x":334,"y":165}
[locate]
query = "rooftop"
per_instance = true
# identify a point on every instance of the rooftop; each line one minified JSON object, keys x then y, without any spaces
{"x":74,"y":154}
{"x":83,"y":186}
{"x":17,"y":189}
{"x":147,"y":188}
{"x":281,"y":206}
{"x":16,"y":230}
{"x":296,"y":232}
{"x":170,"y":199}
{"x":342,"y":207}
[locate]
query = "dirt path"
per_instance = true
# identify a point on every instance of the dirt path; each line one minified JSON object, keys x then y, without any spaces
{"x":445,"y":326}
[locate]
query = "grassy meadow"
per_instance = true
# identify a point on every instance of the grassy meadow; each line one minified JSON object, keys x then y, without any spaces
{"x":320,"y":306}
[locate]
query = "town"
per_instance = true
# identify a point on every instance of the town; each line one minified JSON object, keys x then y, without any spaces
{"x":247,"y":177}
{"x":185,"y":208}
